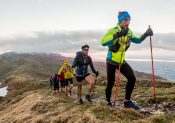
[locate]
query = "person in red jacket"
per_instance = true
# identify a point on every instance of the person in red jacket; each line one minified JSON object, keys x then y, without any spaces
{"x":62,"y":81}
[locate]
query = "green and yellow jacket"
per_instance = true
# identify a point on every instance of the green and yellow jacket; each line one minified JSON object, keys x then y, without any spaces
{"x":117,"y":47}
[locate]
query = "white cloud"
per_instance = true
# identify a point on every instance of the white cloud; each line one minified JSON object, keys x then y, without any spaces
{"x":71,"y":41}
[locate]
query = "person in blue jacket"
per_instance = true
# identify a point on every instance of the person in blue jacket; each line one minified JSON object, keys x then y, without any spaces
{"x":54,"y":83}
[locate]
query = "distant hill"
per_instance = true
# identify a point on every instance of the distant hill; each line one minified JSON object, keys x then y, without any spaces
{"x":36,"y":65}
{"x":42,"y":65}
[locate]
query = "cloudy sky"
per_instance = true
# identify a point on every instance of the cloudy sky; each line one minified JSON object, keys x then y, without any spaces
{"x":62,"y":26}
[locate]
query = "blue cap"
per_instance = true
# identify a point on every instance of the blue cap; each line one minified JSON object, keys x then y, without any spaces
{"x":124,"y":15}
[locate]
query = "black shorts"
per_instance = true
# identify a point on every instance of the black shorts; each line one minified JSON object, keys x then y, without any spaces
{"x":67,"y":81}
{"x":81,"y":78}
{"x":62,"y":83}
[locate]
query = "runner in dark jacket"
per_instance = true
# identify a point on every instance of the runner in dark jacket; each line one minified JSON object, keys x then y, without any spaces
{"x":81,"y":63}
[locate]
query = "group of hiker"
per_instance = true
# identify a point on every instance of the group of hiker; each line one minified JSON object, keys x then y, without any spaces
{"x":67,"y":72}
{"x":118,"y":40}
{"x":63,"y":77}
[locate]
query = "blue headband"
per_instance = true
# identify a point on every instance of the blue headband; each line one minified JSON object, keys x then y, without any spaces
{"x":123,"y":16}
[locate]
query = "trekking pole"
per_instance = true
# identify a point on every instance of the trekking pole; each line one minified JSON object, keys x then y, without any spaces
{"x":117,"y":81}
{"x":118,"y":77}
{"x":153,"y":78}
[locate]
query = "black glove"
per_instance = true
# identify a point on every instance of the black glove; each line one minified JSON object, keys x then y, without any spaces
{"x":96,"y":73}
{"x":123,"y":32}
{"x":149,"y":32}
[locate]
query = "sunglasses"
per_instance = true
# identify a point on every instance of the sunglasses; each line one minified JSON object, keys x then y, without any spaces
{"x":86,"y":49}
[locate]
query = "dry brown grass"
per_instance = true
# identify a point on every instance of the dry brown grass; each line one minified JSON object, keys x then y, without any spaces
{"x":32,"y":102}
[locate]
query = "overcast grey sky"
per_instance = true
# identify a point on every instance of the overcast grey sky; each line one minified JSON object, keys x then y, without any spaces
{"x":45,"y":25}
{"x":33,"y":15}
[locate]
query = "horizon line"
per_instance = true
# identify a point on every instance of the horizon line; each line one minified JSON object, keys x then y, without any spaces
{"x":141,"y":60}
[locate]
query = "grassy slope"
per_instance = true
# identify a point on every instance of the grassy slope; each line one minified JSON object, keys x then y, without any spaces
{"x":35,"y":103}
